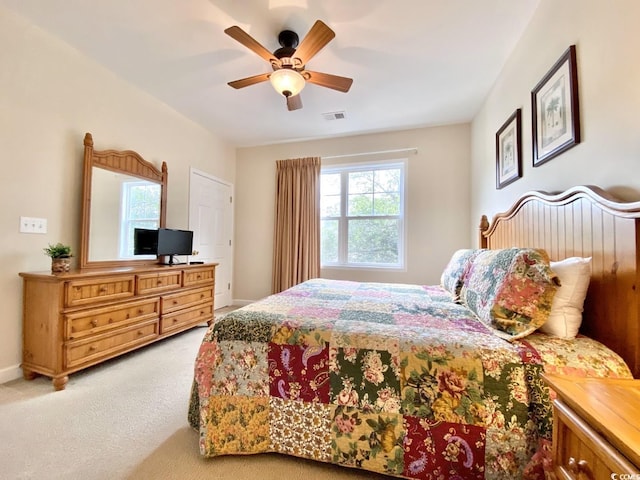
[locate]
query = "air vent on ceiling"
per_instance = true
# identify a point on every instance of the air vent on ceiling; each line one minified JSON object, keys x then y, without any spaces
{"x":335,"y":115}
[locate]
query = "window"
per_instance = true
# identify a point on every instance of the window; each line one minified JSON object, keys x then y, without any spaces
{"x":362,"y":215}
{"x":140,"y":209}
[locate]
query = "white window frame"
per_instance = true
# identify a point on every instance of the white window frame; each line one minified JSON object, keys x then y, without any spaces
{"x":126,"y":221}
{"x":343,"y":234}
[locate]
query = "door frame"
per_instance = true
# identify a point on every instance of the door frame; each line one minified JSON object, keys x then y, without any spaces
{"x":194,"y":171}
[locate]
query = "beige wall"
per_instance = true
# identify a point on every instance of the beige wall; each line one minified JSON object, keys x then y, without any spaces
{"x":50,"y":95}
{"x":607,"y":40}
{"x":437,"y":203}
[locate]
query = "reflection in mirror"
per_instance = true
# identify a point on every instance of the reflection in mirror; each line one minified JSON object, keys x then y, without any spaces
{"x":120,"y":203}
{"x":121,"y":191}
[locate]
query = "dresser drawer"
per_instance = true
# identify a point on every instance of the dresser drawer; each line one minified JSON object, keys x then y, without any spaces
{"x":91,"y":349}
{"x":183,"y":318}
{"x":100,"y":289}
{"x":158,"y":282}
{"x":189,"y":298}
{"x":98,"y":320}
{"x":199,"y":276}
{"x":581,"y":453}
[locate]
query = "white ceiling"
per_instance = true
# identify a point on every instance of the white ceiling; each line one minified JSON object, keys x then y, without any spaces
{"x":414,"y":63}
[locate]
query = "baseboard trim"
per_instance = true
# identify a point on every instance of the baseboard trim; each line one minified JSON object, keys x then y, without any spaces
{"x":241,"y":303}
{"x":10,"y":373}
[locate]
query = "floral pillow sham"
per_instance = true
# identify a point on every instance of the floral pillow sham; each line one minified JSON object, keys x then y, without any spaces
{"x":510,"y":290}
{"x":453,"y":275}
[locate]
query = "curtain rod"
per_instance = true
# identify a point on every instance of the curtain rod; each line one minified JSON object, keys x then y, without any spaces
{"x":397,"y":150}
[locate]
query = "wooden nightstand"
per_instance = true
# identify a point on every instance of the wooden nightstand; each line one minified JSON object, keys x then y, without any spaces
{"x":596,"y":428}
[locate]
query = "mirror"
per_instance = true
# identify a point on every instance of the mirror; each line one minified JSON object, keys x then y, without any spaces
{"x":121,"y":191}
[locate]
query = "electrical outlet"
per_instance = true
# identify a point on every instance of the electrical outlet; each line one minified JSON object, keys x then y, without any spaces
{"x":33,"y":225}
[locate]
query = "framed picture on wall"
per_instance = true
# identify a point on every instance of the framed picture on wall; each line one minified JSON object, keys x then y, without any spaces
{"x":555,"y":111}
{"x":509,"y":151}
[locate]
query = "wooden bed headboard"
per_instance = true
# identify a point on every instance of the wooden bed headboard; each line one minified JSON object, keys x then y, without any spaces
{"x":585,"y":221}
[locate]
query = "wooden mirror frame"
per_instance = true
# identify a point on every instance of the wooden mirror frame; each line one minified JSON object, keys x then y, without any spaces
{"x":129,"y":163}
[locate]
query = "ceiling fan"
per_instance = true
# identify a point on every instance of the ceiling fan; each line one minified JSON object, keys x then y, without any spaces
{"x":289,"y":74}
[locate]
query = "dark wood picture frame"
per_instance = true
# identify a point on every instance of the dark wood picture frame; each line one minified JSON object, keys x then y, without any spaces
{"x":509,"y":150}
{"x":555,"y":110}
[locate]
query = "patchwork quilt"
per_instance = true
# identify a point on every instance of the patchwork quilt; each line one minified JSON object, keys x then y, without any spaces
{"x":391,"y":378}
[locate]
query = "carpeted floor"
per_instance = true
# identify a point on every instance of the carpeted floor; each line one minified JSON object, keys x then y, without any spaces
{"x":127,"y":419}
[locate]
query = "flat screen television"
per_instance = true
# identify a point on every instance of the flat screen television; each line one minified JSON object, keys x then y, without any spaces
{"x":162,"y":242}
{"x":145,"y":241}
{"x":174,"y":242}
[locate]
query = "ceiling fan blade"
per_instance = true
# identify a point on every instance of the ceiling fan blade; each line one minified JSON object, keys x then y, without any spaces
{"x":245,"y":82}
{"x":342,"y":84}
{"x":319,"y":35}
{"x":294,"y":102}
{"x":248,"y":41}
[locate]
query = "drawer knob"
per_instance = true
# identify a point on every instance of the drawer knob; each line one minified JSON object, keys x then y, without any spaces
{"x":92,"y":348}
{"x":94,"y":323}
{"x":140,"y":333}
{"x":159,"y":282}
{"x":578,"y":466}
{"x":103,"y":289}
{"x":175,"y":320}
{"x":175,"y":302}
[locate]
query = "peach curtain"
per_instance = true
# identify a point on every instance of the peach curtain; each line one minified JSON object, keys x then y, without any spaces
{"x":296,"y":255}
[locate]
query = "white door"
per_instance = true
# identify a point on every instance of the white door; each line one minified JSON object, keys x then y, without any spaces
{"x":211,"y":219}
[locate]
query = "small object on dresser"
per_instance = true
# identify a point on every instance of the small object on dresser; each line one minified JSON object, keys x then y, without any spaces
{"x":60,"y":257}
{"x":195,"y":262}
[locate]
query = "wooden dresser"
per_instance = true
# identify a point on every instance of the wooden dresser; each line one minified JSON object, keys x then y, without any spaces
{"x":78,"y":319}
{"x":596,"y":428}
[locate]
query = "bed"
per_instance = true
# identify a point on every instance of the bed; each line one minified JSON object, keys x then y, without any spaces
{"x":425,"y":382}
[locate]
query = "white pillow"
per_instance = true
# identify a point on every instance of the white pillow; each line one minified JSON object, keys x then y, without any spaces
{"x":566,"y":309}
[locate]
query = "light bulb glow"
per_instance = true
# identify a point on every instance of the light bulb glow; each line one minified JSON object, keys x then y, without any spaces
{"x":287,"y":82}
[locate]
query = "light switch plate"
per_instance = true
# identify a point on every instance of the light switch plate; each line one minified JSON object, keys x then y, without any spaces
{"x":33,"y":225}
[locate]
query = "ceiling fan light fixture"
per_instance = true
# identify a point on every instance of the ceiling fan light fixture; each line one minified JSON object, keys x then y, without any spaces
{"x":288,"y":63}
{"x":287,"y":82}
